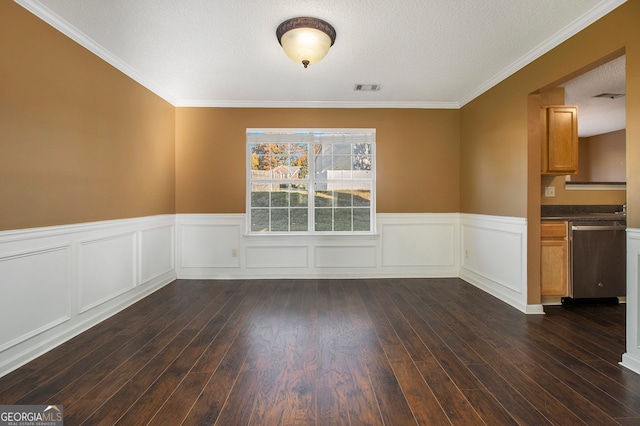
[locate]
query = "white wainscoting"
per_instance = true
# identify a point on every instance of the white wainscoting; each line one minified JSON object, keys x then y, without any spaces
{"x":631,"y":359}
{"x":58,"y":281}
{"x":493,"y":253}
{"x":406,"y":245}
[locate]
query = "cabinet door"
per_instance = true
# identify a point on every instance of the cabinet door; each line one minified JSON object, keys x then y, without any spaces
{"x":560,"y":140}
{"x":554,"y":276}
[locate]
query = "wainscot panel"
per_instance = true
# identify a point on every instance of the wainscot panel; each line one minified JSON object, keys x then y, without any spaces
{"x":209,"y":243}
{"x":412,"y":242}
{"x":290,"y":256}
{"x":494,"y":257}
{"x":107,"y":269}
{"x":631,"y":359}
{"x":345,"y":256}
{"x":28,"y":307}
{"x":59,"y":281}
{"x":157,"y":254}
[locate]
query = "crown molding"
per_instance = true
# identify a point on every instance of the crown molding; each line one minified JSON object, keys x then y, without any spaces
{"x":317,"y":104}
{"x":60,"y":24}
{"x":597,"y":12}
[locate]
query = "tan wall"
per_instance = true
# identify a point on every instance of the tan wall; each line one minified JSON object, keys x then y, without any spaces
{"x":602,"y":158}
{"x":500,"y":155}
{"x":578,"y":196}
{"x":82,"y":142}
{"x":417,"y":154}
{"x":607,"y":157}
{"x":608,"y":154}
{"x":79,"y":141}
{"x":583,"y":162}
{"x":494,"y":142}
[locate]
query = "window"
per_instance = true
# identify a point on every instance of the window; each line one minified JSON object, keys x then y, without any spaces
{"x":311,"y":181}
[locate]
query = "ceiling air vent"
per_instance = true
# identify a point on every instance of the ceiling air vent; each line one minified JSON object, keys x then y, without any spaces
{"x":609,"y":95}
{"x":367,"y":87}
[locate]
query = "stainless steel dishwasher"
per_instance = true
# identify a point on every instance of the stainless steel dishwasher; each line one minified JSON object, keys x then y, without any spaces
{"x":598,"y":259}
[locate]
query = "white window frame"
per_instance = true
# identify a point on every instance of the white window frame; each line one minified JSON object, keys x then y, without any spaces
{"x":289,"y":135}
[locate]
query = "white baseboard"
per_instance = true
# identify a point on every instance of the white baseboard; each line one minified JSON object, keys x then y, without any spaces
{"x":630,"y":362}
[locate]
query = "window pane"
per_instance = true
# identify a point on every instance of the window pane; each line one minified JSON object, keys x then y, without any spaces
{"x":361,"y":219}
{"x":299,"y":219}
{"x":361,"y":197}
{"x":342,"y":220}
{"x":259,"y":195}
{"x":341,"y":162}
{"x":280,"y":196}
{"x":299,"y":160}
{"x":341,"y":148}
{"x":344,"y":198}
{"x":322,"y":164}
{"x":259,"y":220}
{"x":323,"y":198}
{"x":323,"y":220}
{"x":299,"y":196}
{"x":362,"y":156}
{"x":279,"y":220}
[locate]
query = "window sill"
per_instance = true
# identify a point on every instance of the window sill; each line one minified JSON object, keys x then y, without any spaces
{"x":309,"y":236}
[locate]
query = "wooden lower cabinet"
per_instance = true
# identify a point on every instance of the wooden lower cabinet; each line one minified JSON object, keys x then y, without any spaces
{"x":554,"y":259}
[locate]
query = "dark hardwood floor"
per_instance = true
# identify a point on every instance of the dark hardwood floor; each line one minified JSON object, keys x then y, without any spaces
{"x":333,"y":352}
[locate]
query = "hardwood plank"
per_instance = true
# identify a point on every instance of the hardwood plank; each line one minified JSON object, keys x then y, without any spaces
{"x":110,"y":411}
{"x":179,"y":403}
{"x":339,"y":352}
{"x":334,"y":378}
{"x":123,"y":373}
{"x":279,"y":384}
{"x":452,"y":399}
{"x":154,"y":397}
{"x":394,"y":406}
{"x":549,"y":365}
{"x":176,"y":407}
{"x":489,"y":346}
{"x":301,"y":401}
{"x":81,"y":344}
{"x":76,"y":366}
{"x":519,"y":407}
{"x":250,"y":347}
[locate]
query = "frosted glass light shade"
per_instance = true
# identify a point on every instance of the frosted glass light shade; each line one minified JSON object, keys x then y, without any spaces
{"x":305,"y":44}
{"x":306,"y":40}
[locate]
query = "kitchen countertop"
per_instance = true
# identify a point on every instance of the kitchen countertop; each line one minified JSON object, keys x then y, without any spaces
{"x":594,"y":217}
{"x":592,"y":213}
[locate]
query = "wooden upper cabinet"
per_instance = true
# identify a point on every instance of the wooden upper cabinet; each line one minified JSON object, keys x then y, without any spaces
{"x":559,"y":139}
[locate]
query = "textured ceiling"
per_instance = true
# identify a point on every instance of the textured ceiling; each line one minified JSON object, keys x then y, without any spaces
{"x":424,"y":53}
{"x":597,"y":115}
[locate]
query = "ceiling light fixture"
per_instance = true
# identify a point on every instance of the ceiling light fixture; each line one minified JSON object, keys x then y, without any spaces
{"x":609,"y":95}
{"x":306,"y":40}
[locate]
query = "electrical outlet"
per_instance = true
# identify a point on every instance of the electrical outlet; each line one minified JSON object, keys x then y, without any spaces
{"x":466,"y":254}
{"x":549,"y":191}
{"x":234,"y":252}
